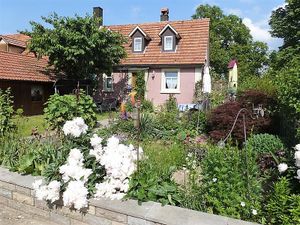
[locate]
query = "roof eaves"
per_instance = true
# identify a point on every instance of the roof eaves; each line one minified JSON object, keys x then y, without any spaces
{"x":169,"y":26}
{"x":141,"y":30}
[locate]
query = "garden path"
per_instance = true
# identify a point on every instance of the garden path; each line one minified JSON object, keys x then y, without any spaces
{"x":9,"y":216}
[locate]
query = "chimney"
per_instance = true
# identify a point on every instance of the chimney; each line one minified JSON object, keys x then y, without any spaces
{"x":98,"y":13}
{"x":164,"y":16}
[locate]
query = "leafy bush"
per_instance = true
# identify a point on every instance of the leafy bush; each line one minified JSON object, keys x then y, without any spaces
{"x":283,"y":207}
{"x":153,"y":180}
{"x":265,"y":143}
{"x":62,"y":108}
{"x":195,"y":120}
{"x":6,"y":111}
{"x":171,"y":104}
{"x":230,"y":183}
{"x":222,"y":118}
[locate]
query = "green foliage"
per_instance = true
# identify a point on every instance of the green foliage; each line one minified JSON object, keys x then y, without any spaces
{"x":285,"y":24}
{"x":147,"y":106}
{"x":283,"y":207}
{"x":264,"y":84}
{"x":230,"y":38}
{"x":153,"y":180}
{"x":171,"y":104}
{"x":6,"y":112}
{"x":62,"y":108}
{"x":265,"y":143}
{"x":140,"y":86}
{"x":230,"y":176}
{"x":76,"y":46}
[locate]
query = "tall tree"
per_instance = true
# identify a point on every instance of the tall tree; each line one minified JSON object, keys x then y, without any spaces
{"x":230,"y":38}
{"x":285,"y":23}
{"x":76,"y":46}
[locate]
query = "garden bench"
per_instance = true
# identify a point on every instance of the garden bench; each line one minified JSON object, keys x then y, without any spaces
{"x":107,"y":104}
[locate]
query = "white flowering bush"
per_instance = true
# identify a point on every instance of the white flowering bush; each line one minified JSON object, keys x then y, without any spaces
{"x":82,"y":175}
{"x":75,"y":127}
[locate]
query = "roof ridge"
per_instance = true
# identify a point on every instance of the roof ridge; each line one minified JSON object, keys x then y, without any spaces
{"x":150,"y":23}
{"x":18,"y":54}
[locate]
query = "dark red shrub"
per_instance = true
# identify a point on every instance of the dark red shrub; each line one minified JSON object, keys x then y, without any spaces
{"x":221,"y":119}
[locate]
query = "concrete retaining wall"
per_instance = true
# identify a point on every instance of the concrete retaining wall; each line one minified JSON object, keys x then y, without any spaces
{"x":16,"y":192}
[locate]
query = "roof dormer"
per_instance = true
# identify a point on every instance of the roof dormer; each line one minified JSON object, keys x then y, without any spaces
{"x":169,"y":38}
{"x":139,"y":40}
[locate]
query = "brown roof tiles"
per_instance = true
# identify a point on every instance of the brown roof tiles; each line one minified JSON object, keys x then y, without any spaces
{"x":191,"y":49}
{"x":15,"y":66}
{"x":15,"y":39}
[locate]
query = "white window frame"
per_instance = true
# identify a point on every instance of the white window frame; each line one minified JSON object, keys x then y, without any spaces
{"x":168,"y":48}
{"x":105,"y":78}
{"x":140,"y":46}
{"x":163,"y":89}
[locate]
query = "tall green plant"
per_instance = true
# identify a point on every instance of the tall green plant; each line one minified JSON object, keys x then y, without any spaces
{"x":62,"y":108}
{"x":6,"y":111}
{"x":140,"y":86}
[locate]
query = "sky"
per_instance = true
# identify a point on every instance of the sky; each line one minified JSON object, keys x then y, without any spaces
{"x":16,"y":14}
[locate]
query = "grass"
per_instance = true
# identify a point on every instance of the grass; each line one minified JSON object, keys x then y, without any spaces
{"x":25,"y":124}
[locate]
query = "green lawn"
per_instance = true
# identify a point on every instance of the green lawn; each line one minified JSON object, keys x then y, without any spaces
{"x":25,"y":124}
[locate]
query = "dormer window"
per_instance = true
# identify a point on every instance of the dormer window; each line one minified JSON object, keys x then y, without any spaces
{"x":137,"y":44}
{"x":169,"y":38}
{"x":168,"y":43}
{"x":139,"y":40}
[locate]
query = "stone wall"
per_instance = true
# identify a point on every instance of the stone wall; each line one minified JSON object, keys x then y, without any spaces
{"x":16,"y":192}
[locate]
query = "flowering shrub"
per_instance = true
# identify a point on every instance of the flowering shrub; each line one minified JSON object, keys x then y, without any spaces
{"x":79,"y":176}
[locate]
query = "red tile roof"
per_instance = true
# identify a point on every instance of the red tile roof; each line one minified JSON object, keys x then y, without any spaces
{"x":192,"y":47}
{"x":15,"y":39}
{"x":15,"y":66}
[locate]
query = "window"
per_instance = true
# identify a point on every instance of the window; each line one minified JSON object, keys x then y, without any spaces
{"x":37,"y":93}
{"x":108,"y":82}
{"x":168,"y":43}
{"x":137,"y":44}
{"x":170,"y":81}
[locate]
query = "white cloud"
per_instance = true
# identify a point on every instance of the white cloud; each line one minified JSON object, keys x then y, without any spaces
{"x":259,"y":32}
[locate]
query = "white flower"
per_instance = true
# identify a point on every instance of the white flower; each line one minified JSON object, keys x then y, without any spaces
{"x":73,"y":169}
{"x":282,"y":167}
{"x":36,"y":184}
{"x":75,"y":127}
{"x":297,"y":158}
{"x":47,"y":192}
{"x":297,"y":147}
{"x":53,"y":191}
{"x":254,"y":212}
{"x":95,"y":141}
{"x":214,"y":179}
{"x":75,"y":195}
{"x":243,"y":204}
{"x":298,"y":174}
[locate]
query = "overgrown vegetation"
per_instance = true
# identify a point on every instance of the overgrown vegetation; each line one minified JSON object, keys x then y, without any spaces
{"x":6,"y":112}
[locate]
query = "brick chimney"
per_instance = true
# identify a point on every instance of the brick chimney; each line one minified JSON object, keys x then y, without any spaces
{"x":164,"y":16}
{"x":98,"y":13}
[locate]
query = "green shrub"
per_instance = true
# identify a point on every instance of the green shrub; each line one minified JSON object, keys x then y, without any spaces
{"x":62,"y":108}
{"x":230,"y":177}
{"x":153,"y":180}
{"x":6,"y":111}
{"x":147,"y":106}
{"x":171,"y":104}
{"x":195,"y":120}
{"x":265,"y":143}
{"x":283,"y":207}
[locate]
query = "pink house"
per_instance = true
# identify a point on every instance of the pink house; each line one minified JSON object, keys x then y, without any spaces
{"x":171,"y":53}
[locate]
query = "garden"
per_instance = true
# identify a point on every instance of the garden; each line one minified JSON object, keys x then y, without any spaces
{"x":238,"y":158}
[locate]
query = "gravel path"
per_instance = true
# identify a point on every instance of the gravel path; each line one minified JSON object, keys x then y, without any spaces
{"x":9,"y":216}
